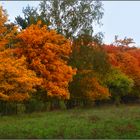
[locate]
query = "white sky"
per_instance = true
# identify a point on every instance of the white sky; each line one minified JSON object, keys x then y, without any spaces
{"x":120,"y":17}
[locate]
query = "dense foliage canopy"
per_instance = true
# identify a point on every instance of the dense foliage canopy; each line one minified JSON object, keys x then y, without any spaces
{"x":56,"y":58}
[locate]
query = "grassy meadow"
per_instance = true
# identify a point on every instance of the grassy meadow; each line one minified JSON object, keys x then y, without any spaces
{"x":99,"y":122}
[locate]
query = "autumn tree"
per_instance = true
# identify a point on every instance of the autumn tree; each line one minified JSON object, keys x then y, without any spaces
{"x":135,"y":52}
{"x":92,"y":67}
{"x":134,"y":69}
{"x":127,"y":62}
{"x":119,"y":85}
{"x":85,"y":88}
{"x":46,"y":53}
{"x":16,"y":80}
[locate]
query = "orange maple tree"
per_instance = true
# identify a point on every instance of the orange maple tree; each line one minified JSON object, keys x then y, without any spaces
{"x":16,"y":81}
{"x":46,"y":53}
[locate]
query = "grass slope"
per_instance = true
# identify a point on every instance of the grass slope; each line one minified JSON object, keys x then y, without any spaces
{"x":101,"y":122}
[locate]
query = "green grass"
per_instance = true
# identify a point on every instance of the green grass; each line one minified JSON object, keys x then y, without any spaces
{"x":102,"y":122}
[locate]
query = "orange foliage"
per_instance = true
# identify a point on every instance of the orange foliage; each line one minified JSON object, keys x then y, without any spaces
{"x":126,"y":59}
{"x":135,"y":52}
{"x":94,"y":90}
{"x":87,"y":86}
{"x":15,"y":80}
{"x":46,"y":53}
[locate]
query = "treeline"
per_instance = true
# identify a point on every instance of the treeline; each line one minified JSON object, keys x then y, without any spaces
{"x":50,"y":59}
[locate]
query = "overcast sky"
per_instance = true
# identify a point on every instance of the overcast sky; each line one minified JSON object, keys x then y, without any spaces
{"x":121,"y":18}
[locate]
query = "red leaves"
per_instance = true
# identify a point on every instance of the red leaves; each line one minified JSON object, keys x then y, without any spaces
{"x":127,"y":59}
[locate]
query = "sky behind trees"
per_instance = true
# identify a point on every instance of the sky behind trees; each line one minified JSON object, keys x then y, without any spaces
{"x":120,"y":18}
